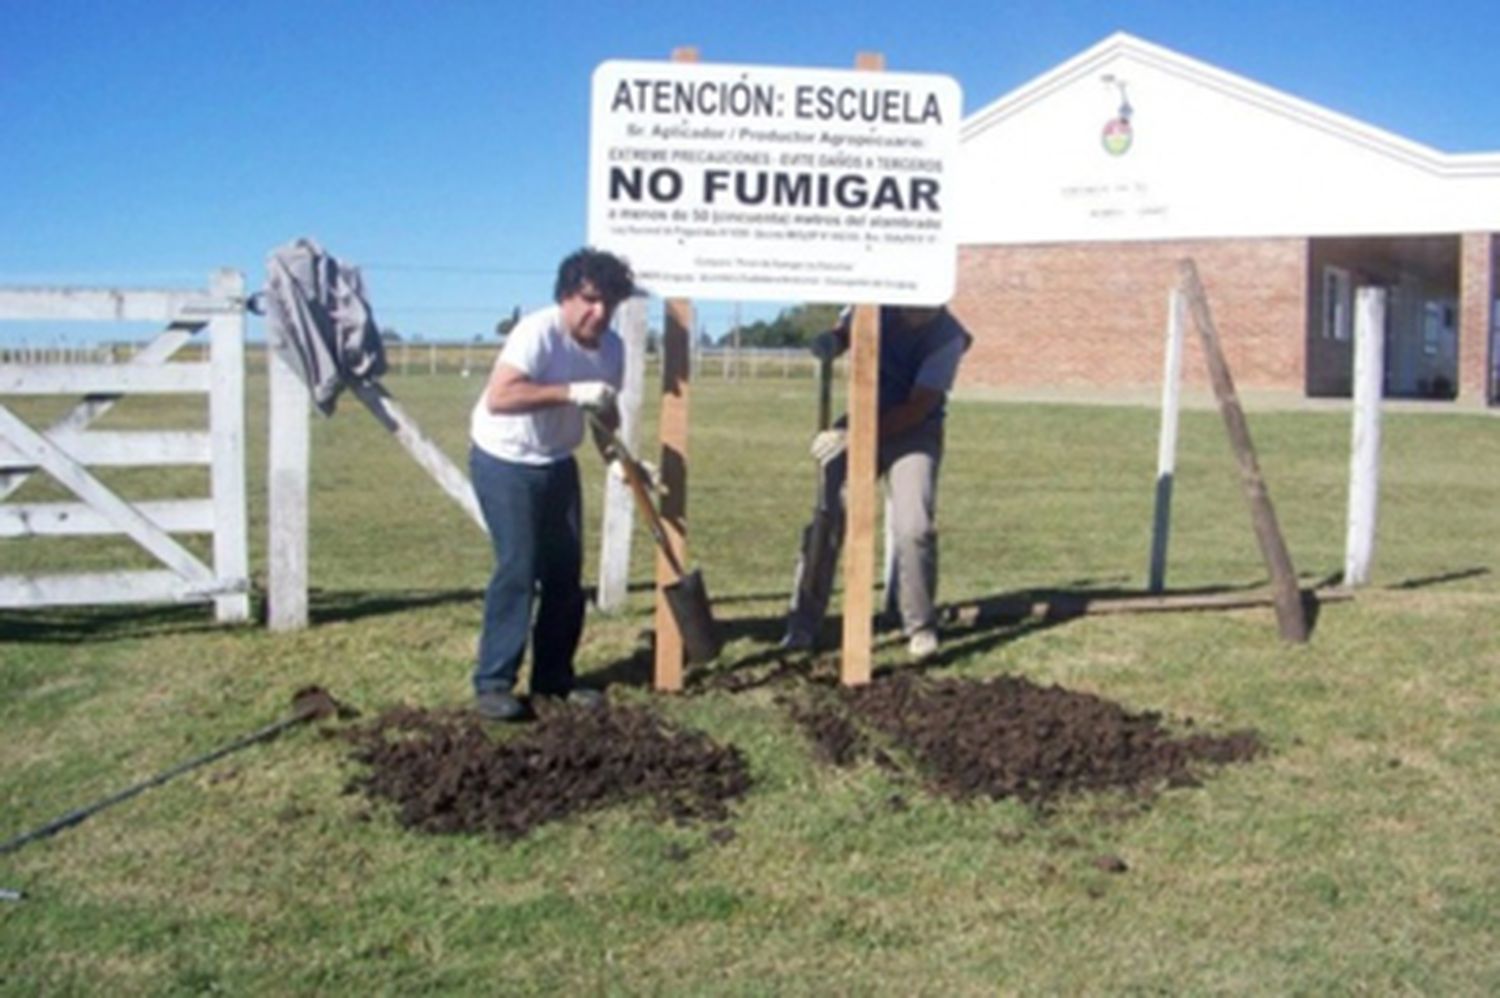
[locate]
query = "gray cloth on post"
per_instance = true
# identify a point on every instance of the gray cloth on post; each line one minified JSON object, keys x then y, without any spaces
{"x":319,"y":322}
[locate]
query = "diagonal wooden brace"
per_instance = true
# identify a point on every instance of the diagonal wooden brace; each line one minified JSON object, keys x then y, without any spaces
{"x":130,"y":521}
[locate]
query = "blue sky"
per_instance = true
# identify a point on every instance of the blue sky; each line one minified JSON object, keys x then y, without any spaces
{"x":443,"y":145}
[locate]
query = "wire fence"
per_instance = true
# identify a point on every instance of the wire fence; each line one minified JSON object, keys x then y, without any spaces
{"x":452,"y":359}
{"x":708,"y":362}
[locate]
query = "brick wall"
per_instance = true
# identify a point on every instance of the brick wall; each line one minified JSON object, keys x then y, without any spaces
{"x":1477,"y":269}
{"x":1081,"y":315}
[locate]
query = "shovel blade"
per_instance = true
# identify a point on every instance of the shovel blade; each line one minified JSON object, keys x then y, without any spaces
{"x":687,"y":598}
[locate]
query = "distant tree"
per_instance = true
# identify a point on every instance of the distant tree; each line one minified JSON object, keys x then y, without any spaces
{"x":792,"y":327}
{"x":505,"y":325}
{"x":389,"y":335}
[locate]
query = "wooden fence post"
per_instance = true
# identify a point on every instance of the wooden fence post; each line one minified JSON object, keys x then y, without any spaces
{"x":1290,"y":618}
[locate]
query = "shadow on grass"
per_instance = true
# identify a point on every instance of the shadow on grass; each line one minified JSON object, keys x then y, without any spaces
{"x":969,"y":627}
{"x":343,"y":606}
{"x":80,"y":624}
{"x":92,"y":624}
{"x":1438,"y":580}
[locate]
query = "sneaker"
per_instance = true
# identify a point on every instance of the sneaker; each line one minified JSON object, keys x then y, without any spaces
{"x":796,"y":640}
{"x":492,"y":705}
{"x":923,"y":645}
{"x":582,"y":696}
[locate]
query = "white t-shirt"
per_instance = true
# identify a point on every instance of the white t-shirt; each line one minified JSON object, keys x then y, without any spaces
{"x":543,"y":350}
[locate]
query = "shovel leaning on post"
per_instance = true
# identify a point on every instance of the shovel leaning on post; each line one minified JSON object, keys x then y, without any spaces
{"x":687,"y":598}
{"x":818,"y":536}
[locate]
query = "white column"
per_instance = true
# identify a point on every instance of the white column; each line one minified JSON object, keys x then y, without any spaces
{"x":1364,"y":455}
{"x":1166,"y":447}
{"x":614,"y":541}
{"x":287,"y":480}
{"x":226,"y":407}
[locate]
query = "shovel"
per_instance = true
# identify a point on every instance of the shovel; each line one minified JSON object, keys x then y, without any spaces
{"x":687,"y":598}
{"x":817,"y":536}
{"x":307,"y":705}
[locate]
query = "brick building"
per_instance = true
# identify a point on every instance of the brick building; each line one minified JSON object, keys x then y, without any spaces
{"x":1086,"y":186}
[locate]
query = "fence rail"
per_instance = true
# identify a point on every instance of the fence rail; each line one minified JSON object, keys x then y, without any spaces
{"x":474,"y":360}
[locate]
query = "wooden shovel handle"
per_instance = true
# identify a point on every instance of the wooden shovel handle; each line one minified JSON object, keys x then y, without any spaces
{"x":635,"y":477}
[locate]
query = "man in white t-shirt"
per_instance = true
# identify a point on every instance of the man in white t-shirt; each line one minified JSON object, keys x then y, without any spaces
{"x":556,"y":363}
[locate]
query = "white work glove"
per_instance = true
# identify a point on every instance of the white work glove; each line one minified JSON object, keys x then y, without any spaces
{"x":825,"y":345}
{"x":828,"y":445}
{"x":592,"y":395}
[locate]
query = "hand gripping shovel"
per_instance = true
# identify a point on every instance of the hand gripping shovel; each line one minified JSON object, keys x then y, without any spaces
{"x":687,"y":598}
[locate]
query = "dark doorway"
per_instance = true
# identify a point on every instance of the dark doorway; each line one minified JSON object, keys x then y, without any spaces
{"x":1421,"y":277}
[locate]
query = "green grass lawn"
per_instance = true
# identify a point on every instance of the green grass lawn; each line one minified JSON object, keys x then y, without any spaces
{"x":1360,"y":855}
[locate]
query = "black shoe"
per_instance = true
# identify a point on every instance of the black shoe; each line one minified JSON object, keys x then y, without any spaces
{"x":496,"y":706}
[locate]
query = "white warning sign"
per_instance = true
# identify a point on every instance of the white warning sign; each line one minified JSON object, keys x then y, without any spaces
{"x":755,"y":182}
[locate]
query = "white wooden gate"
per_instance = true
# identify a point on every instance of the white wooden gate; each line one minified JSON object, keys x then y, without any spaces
{"x":67,"y":448}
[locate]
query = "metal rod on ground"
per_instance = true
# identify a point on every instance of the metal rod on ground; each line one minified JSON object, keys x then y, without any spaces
{"x":1290,"y":617}
{"x":307,"y":704}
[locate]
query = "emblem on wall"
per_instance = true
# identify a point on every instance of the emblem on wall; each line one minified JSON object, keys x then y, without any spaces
{"x":1118,"y":135}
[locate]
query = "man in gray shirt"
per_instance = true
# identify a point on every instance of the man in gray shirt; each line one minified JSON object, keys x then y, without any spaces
{"x":920,"y":349}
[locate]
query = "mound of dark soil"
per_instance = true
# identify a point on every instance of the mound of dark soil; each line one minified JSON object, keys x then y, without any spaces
{"x":1012,"y":738}
{"x":447,"y":771}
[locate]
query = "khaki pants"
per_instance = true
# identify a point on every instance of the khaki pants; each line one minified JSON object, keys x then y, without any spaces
{"x":909,"y":464}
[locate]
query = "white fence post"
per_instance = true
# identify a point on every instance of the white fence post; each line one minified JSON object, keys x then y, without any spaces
{"x":288,"y":460}
{"x":614,"y":541}
{"x":1166,"y":448}
{"x":226,"y":405}
{"x":1364,"y":456}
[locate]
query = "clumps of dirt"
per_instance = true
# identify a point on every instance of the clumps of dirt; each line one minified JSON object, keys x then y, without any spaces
{"x":447,"y":772}
{"x":836,"y":738}
{"x":1009,"y":737}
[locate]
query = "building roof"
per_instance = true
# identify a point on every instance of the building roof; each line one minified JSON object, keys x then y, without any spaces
{"x":1129,"y":140}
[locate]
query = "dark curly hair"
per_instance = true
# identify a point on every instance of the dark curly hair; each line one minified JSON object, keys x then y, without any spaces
{"x":607,"y":272}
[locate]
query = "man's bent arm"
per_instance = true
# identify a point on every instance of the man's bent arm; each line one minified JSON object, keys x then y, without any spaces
{"x":917,"y":407}
{"x":510,"y":390}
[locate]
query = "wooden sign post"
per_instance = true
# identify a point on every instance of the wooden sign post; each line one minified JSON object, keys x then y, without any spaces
{"x":676,"y":359}
{"x":735,"y":182}
{"x":859,"y":522}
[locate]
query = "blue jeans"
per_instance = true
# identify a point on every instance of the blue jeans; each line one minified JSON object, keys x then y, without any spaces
{"x":535,"y":517}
